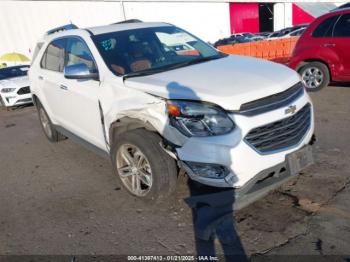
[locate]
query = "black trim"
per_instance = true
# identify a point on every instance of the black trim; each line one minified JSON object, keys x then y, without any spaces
{"x":272,"y":102}
{"x":82,"y":142}
{"x":89,"y":31}
{"x":62,"y":28}
{"x":129,"y":21}
{"x":23,"y":90}
{"x":103,"y":125}
{"x":281,"y":134}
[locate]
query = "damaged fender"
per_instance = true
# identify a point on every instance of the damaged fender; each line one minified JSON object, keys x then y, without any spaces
{"x":143,"y":110}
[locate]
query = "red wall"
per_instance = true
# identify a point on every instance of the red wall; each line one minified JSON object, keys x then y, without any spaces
{"x":244,"y":17}
{"x":300,"y":16}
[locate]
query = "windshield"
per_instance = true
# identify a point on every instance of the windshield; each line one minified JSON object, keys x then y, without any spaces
{"x":151,"y":49}
{"x":15,"y":71}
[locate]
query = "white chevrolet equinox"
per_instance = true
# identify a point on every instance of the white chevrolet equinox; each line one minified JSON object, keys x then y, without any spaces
{"x":158,"y":100}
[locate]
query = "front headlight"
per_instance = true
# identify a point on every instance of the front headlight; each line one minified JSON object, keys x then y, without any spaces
{"x":7,"y":90}
{"x":198,"y":119}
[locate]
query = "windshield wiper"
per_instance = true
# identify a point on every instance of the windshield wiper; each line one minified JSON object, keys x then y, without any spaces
{"x":171,"y":67}
{"x":145,"y":72}
{"x":201,"y":60}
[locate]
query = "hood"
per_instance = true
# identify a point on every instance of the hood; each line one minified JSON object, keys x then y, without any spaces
{"x":228,"y":82}
{"x":16,"y":82}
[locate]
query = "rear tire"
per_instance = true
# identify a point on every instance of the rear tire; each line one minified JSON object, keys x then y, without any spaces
{"x":143,"y":168}
{"x":315,"y":76}
{"x":47,"y":126}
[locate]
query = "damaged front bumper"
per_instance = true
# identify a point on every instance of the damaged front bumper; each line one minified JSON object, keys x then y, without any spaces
{"x":239,"y":165}
{"x":271,"y":178}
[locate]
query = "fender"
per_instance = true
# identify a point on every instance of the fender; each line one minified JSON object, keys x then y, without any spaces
{"x":319,"y":56}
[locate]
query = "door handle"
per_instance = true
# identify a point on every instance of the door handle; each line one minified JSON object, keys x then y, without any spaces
{"x":40,"y":78}
{"x":329,"y":45}
{"x":63,"y":87}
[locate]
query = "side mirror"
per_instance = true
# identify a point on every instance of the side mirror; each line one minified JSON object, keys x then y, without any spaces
{"x":79,"y":71}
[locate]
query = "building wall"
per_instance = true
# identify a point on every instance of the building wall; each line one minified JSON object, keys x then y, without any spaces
{"x":209,"y":21}
{"x":244,"y":17}
{"x":23,"y":22}
{"x":282,"y":15}
{"x":300,"y":16}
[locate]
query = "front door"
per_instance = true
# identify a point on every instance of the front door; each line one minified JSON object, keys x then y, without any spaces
{"x":50,"y":76}
{"x":81,"y":113}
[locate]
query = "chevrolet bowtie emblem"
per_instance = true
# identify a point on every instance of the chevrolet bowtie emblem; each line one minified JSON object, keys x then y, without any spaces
{"x":290,"y":110}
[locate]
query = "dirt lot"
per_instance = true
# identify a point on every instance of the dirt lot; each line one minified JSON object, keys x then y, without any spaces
{"x":63,"y":199}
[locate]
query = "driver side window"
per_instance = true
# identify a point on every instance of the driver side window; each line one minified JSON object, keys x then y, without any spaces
{"x":77,"y":52}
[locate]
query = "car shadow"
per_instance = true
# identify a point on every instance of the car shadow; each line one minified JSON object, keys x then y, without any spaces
{"x":15,"y":108}
{"x":340,"y":84}
{"x":212,"y":208}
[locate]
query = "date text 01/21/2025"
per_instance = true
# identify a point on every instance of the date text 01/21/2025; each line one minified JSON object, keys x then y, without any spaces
{"x":172,"y":258}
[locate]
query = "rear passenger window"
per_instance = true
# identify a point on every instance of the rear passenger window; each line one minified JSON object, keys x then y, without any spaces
{"x":53,"y":58}
{"x":77,"y":52}
{"x":342,"y":28}
{"x":325,"y":28}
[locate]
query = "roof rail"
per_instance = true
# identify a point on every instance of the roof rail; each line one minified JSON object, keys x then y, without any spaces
{"x":128,"y":21}
{"x":61,"y":28}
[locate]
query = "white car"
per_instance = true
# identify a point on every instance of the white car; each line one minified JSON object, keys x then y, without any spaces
{"x":228,"y":121}
{"x":14,"y":86}
{"x":297,"y":32}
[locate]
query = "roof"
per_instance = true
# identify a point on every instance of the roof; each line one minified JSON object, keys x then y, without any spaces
{"x":346,"y":5}
{"x":338,"y":11}
{"x":57,"y":32}
{"x":317,"y":9}
{"x":124,"y":26}
{"x":341,"y":10}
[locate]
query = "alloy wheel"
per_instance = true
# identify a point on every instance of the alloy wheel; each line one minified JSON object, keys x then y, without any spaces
{"x":45,"y":122}
{"x":312,"y":77}
{"x":134,"y":169}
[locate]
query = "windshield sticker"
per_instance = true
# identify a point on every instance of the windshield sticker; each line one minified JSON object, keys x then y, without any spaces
{"x":109,"y":44}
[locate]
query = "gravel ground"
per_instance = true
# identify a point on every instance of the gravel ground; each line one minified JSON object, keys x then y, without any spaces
{"x":60,"y":199}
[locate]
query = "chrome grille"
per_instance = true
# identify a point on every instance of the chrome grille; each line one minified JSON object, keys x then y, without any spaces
{"x":272,"y":102}
{"x":281,"y":134}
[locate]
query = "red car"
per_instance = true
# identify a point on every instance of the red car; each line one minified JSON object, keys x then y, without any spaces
{"x":322,"y":53}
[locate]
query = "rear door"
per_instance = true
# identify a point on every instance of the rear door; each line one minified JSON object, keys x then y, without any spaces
{"x":322,"y":38}
{"x":341,"y":45}
{"x":51,"y":74}
{"x":81,"y":112}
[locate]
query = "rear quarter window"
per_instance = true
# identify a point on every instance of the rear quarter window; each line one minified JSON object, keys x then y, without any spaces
{"x":325,"y":28}
{"x":342,"y":28}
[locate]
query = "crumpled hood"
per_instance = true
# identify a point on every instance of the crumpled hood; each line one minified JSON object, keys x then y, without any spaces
{"x":228,"y":82}
{"x":16,"y":82}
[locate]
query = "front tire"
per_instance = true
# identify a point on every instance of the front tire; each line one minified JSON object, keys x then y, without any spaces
{"x":47,"y":126}
{"x":143,"y":168}
{"x":315,"y":76}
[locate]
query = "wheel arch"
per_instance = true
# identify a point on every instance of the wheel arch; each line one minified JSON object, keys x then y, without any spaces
{"x":309,"y":60}
{"x":125,"y":124}
{"x":35,"y":99}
